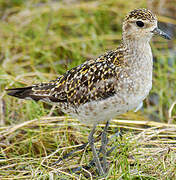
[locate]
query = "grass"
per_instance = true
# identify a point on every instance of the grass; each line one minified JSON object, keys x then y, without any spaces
{"x":41,"y":39}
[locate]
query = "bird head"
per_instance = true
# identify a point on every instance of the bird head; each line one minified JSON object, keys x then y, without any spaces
{"x":141,"y":24}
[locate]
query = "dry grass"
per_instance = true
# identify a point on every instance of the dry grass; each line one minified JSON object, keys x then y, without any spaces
{"x":28,"y":150}
{"x":40,"y":39}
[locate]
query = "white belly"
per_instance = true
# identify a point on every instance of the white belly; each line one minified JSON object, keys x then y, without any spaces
{"x":100,"y":111}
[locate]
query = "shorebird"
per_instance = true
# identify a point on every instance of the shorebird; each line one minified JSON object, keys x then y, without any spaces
{"x":112,"y":84}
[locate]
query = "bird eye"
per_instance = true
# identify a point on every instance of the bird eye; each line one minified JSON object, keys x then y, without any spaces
{"x":140,"y":23}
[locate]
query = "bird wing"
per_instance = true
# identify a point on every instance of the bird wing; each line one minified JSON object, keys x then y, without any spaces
{"x":92,"y":80}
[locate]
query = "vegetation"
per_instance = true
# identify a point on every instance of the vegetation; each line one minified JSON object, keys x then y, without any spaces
{"x":40,"y":39}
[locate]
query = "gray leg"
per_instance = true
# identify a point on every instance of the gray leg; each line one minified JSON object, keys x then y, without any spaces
{"x":92,"y":162}
{"x":104,"y":141}
{"x":95,"y":155}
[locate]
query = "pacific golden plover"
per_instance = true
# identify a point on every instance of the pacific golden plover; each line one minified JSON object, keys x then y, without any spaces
{"x":112,"y":84}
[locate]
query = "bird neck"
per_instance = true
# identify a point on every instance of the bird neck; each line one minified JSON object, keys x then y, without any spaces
{"x":137,"y":50}
{"x":136,"y":43}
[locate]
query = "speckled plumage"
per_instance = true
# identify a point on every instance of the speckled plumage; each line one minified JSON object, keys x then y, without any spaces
{"x":112,"y":84}
{"x":143,"y":14}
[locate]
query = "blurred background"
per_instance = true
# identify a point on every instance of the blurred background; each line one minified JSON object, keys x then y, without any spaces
{"x":41,"y":39}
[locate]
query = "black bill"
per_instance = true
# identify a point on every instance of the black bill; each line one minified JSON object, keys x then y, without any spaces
{"x":159,"y":32}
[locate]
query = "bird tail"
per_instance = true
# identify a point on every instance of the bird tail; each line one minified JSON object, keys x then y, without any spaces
{"x":44,"y":92}
{"x":23,"y":93}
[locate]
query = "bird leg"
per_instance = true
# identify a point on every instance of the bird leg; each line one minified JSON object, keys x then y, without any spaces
{"x":83,"y":146}
{"x":104,"y":141}
{"x":92,"y":162}
{"x":95,"y":155}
